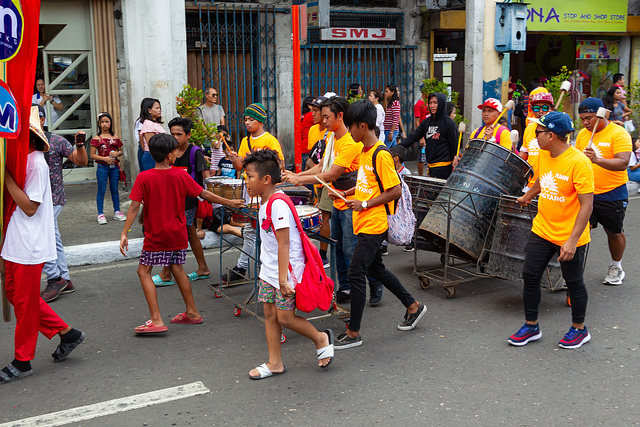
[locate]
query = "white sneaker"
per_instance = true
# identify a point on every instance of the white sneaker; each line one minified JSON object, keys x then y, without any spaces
{"x":102,"y":219}
{"x":119,"y":216}
{"x":615,"y":276}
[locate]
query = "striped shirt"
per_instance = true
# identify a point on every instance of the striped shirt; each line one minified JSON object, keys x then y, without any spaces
{"x":392,"y":116}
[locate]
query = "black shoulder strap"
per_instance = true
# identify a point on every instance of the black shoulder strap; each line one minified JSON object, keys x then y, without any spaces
{"x":375,"y":171}
{"x":249,"y":143}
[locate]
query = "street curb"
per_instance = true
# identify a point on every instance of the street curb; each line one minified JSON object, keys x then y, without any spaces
{"x":107,"y":252}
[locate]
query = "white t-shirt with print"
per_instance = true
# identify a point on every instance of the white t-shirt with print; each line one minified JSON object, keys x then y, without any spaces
{"x":31,"y":240}
{"x":281,"y":217}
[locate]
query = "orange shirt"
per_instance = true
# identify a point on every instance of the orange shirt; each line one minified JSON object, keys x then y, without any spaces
{"x":316,"y":134}
{"x":347,"y":154}
{"x":530,"y":146}
{"x":611,"y":140}
{"x":561,"y":180}
{"x":374,"y":220}
{"x":266,"y":140}
{"x":505,"y":136}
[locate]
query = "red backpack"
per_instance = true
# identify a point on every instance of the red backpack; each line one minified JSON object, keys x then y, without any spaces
{"x":314,"y":290}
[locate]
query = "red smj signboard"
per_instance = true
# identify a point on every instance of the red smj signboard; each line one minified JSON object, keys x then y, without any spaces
{"x":358,"y":34}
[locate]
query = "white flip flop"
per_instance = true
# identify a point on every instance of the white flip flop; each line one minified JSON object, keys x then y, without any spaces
{"x":265,"y":372}
{"x":327,"y":351}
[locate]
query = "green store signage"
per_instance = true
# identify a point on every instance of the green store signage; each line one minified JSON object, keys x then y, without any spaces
{"x":594,"y":16}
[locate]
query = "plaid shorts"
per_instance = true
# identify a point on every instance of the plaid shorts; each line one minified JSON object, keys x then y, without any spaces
{"x":163,"y":258}
{"x":267,"y":293}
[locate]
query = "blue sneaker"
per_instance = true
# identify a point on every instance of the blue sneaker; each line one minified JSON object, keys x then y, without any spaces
{"x":575,"y":338}
{"x":525,"y":334}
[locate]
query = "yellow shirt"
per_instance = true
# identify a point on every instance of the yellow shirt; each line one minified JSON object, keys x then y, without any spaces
{"x":505,"y":136}
{"x":316,"y":134}
{"x":611,"y":140}
{"x":374,"y":220}
{"x":347,"y":154}
{"x":266,"y":140}
{"x":530,"y":143}
{"x":561,"y":180}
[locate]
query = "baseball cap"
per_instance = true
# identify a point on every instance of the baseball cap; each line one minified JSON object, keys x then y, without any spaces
{"x":590,"y":105}
{"x":557,"y":122}
{"x":330,"y":95}
{"x":542,"y":97}
{"x":318,"y":101}
{"x":41,"y":110}
{"x":491,"y":103}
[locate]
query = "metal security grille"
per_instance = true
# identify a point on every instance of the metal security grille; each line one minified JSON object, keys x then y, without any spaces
{"x":362,"y":20}
{"x":332,"y":68}
{"x":235,"y":50}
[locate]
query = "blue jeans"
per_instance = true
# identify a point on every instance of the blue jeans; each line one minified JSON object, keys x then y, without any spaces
{"x":342,"y":232}
{"x":147,"y":162}
{"x":103,"y":174}
{"x":394,"y":137}
{"x":140,"y":153}
{"x":634,"y":175}
{"x":57,"y":267}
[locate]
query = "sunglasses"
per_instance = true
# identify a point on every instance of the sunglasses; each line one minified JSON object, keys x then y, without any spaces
{"x":538,"y":132}
{"x":214,"y":94}
{"x":538,"y":108}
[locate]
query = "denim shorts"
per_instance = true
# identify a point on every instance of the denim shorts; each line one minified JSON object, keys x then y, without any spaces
{"x":190,"y":215}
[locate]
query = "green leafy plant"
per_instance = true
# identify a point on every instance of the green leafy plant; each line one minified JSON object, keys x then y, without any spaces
{"x":355,"y":98}
{"x":633,"y":101}
{"x":187,"y":103}
{"x":553,"y":83}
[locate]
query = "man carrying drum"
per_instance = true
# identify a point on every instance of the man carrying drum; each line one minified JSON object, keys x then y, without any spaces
{"x":565,"y":189}
{"x":491,"y":109}
{"x":541,"y":104}
{"x":609,"y":154}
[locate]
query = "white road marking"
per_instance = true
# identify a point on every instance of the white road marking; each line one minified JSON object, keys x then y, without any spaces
{"x":111,"y":407}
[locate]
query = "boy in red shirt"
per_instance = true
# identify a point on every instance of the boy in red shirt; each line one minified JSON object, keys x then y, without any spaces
{"x":163,"y":190}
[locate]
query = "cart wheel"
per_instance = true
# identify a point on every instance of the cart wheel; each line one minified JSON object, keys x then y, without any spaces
{"x":283,"y":338}
{"x":237,"y":311}
{"x":425,"y":283}
{"x":451,"y":292}
{"x":568,"y":300}
{"x":217,"y":293}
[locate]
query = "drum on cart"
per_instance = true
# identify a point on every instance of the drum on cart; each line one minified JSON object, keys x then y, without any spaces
{"x":299,"y":194}
{"x":310,"y":217}
{"x":229,"y":188}
{"x":424,"y":190}
{"x":467,"y":203}
{"x":513,"y":226}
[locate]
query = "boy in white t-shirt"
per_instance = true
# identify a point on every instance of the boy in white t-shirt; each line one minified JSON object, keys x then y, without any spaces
{"x":281,"y":250}
{"x":29,"y":243}
{"x":399,"y":154}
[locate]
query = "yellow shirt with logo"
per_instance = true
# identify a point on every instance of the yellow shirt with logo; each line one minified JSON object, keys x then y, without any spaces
{"x":315,"y":135}
{"x":561,"y":180}
{"x":266,"y":140}
{"x":611,"y":140}
{"x":346,"y":154}
{"x":530,"y":143}
{"x":374,"y":220}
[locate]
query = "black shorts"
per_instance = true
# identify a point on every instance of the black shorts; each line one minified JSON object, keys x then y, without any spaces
{"x":610,"y":214}
{"x":216,"y":220}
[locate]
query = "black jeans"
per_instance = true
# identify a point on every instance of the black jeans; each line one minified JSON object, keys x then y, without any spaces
{"x":367,"y":260}
{"x":538,"y":253}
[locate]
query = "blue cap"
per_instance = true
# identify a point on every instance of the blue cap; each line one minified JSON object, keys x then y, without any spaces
{"x":590,"y":105}
{"x":557,"y":122}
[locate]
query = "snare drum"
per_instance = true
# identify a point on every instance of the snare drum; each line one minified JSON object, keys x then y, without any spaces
{"x":310,"y":217}
{"x":229,"y":188}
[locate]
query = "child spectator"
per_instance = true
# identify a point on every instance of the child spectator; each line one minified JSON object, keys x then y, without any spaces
{"x":151,"y":119}
{"x":370,"y":224}
{"x":399,"y":154}
{"x":225,"y":165}
{"x":281,"y":251}
{"x":106,"y":147}
{"x":163,"y":191}
{"x":29,"y":243}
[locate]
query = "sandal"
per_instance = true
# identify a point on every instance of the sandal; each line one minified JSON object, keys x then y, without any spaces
{"x":64,"y":348}
{"x":14,"y":374}
{"x":184,"y":319}
{"x":193,"y":276}
{"x":265,"y":372}
{"x":327,"y":351}
{"x":157,"y":280}
{"x":150,"y":328}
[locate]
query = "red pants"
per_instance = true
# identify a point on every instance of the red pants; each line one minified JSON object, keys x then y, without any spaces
{"x":22,"y":286}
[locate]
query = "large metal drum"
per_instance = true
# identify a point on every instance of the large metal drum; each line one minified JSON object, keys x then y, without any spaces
{"x":424,"y":190}
{"x":513,"y":226}
{"x":470,"y":197}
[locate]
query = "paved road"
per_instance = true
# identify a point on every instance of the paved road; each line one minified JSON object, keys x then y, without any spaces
{"x":455,"y":368}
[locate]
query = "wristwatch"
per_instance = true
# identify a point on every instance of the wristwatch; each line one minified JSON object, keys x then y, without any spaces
{"x":364,"y":205}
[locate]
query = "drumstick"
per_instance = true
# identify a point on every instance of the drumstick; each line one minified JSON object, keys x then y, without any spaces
{"x":564,"y":88}
{"x":600,"y":114}
{"x":330,"y":189}
{"x":462,"y":127}
{"x":507,"y":106}
{"x":225,"y":141}
{"x":6,"y":308}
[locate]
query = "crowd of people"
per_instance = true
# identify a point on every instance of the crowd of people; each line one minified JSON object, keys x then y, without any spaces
{"x":356,"y":149}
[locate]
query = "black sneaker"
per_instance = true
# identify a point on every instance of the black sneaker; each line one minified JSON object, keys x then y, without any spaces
{"x":326,"y":263}
{"x":385,"y":250}
{"x":376,"y":293}
{"x":344,"y":341}
{"x":343,"y":297}
{"x":411,"y":320}
{"x":409,"y":248}
{"x":237,"y":273}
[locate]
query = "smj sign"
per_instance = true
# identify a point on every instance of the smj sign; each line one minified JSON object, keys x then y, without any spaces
{"x":11,"y":28}
{"x":359,"y":34}
{"x":584,"y":15}
{"x":9,"y":123}
{"x":597,"y":49}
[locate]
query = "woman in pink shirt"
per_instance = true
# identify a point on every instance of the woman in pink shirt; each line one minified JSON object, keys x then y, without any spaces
{"x":151,"y":119}
{"x":392,"y":115}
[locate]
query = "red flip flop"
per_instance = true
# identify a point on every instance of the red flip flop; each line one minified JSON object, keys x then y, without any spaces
{"x":184,"y":319}
{"x":150,"y":328}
